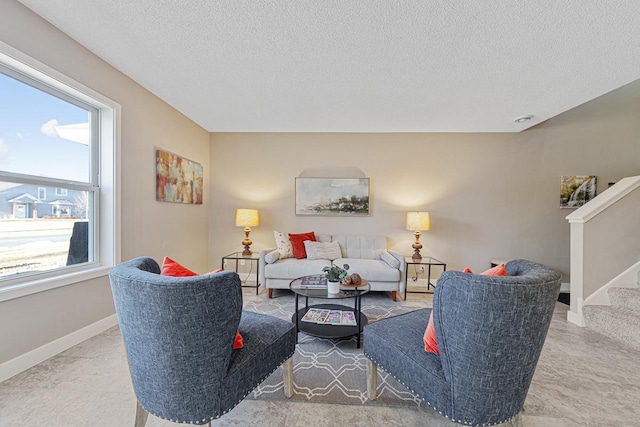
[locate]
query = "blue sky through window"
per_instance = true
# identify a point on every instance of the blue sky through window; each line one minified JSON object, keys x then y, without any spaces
{"x":32,"y":129}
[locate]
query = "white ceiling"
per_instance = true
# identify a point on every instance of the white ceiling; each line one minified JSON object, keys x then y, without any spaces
{"x":362,"y":65}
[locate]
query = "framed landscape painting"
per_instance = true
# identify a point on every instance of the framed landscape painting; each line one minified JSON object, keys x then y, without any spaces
{"x":178,"y":180}
{"x":332,"y":196}
{"x":576,"y":190}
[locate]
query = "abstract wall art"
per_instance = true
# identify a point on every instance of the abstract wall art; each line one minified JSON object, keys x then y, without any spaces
{"x":178,"y":180}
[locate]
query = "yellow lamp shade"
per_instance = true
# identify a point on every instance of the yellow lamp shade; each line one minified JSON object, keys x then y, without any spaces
{"x":418,"y":221}
{"x":247,"y":218}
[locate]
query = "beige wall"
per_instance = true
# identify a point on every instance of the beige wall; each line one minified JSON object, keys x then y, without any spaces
{"x":148,"y":227}
{"x":489,"y":195}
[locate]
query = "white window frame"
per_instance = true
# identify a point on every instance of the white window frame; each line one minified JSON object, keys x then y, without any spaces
{"x":44,"y":193}
{"x":61,"y":191}
{"x":107,"y":206}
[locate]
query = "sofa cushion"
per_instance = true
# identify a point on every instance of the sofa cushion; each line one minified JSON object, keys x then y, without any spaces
{"x":396,"y":341}
{"x":324,"y":238}
{"x":322,"y":250}
{"x":373,"y":270}
{"x":363,"y":247}
{"x":292,"y":268}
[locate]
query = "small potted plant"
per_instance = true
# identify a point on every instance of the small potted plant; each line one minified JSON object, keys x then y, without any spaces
{"x":335,"y":275}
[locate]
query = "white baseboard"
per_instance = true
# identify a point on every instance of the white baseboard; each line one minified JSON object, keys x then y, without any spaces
{"x":574,"y":315}
{"x":28,"y":360}
{"x":575,"y":318}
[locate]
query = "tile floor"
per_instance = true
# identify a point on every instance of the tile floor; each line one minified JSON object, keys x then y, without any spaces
{"x":582,"y":379}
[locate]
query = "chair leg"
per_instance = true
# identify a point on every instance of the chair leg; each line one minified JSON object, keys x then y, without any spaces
{"x":270,"y":292}
{"x":141,"y":415}
{"x":394,"y":295}
{"x":372,"y":380}
{"x":517,"y":420}
{"x":287,"y":376}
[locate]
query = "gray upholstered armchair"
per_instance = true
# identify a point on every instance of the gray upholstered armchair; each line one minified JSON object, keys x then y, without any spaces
{"x":179,"y":333}
{"x":490,"y":331}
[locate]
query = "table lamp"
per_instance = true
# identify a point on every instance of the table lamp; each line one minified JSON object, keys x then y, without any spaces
{"x":247,"y":218}
{"x":418,"y":221}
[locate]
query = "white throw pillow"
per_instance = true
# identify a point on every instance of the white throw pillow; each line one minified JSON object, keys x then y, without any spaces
{"x":283,"y":245}
{"x":272,"y":257}
{"x":322,"y":250}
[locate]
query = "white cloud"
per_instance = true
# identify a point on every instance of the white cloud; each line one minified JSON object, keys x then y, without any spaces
{"x":49,"y":128}
{"x":4,"y":150}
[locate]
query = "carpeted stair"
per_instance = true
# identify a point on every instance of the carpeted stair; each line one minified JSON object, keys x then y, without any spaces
{"x":621,"y":320}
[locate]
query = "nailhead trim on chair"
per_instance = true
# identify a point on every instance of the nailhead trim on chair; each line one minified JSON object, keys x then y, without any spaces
{"x":204,"y":420}
{"x":428,"y":403}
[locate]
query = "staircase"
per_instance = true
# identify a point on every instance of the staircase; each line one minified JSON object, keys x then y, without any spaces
{"x":619,"y":321}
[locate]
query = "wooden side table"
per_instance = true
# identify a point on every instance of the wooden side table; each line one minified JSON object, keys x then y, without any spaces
{"x":237,"y":257}
{"x":427,"y":261}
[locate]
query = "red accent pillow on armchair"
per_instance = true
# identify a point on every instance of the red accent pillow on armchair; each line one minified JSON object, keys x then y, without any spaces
{"x":430,"y":343}
{"x":498,"y":270}
{"x":297,"y":242}
{"x":174,"y":269}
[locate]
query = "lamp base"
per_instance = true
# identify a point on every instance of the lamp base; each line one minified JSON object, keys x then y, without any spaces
{"x":247,"y":242}
{"x":417,"y":246}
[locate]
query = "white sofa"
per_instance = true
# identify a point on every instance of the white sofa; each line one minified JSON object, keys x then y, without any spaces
{"x":366,"y":255}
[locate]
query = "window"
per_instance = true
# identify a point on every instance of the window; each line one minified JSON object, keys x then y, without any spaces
{"x":59,"y":135}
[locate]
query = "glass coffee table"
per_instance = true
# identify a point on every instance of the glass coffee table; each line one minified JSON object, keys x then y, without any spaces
{"x":330,"y":330}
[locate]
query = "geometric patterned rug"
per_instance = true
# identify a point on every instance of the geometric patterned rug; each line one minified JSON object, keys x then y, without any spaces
{"x":333,"y":371}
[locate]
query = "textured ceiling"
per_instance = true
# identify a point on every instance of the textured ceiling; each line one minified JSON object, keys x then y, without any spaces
{"x":362,"y":66}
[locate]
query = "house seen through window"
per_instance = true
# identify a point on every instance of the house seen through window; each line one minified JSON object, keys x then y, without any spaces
{"x":48,"y":147}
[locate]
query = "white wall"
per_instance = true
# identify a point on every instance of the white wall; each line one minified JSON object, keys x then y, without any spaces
{"x":148,"y":227}
{"x":489,"y":195}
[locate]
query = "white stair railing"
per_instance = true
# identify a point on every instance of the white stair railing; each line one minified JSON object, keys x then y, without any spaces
{"x":604,"y":241}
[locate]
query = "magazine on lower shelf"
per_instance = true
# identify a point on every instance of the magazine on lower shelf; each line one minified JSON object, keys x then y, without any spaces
{"x":330,"y":317}
{"x":315,"y":315}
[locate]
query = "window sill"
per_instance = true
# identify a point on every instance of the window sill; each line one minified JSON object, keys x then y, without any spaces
{"x":31,"y":286}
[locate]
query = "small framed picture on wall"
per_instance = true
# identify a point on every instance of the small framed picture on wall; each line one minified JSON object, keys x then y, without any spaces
{"x":576,"y":190}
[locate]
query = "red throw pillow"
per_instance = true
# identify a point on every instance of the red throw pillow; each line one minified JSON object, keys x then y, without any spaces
{"x":237,"y":342}
{"x":430,"y":343}
{"x":498,"y":270}
{"x":174,"y":269}
{"x":297,"y":242}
